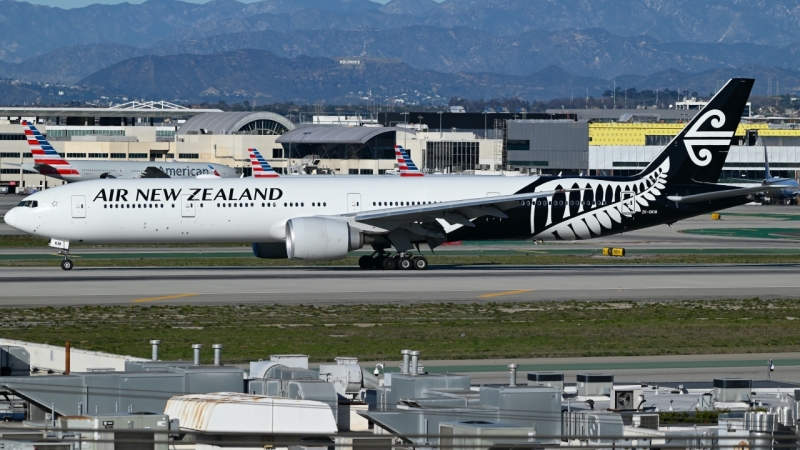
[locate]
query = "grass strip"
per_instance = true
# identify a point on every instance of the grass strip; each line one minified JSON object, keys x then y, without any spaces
{"x":439,"y":330}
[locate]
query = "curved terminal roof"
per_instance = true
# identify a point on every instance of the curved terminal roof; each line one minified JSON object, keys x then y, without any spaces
{"x":229,"y":122}
{"x":334,"y":135}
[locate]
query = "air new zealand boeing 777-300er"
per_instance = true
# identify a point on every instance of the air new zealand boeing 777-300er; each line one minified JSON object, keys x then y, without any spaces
{"x":319,"y":218}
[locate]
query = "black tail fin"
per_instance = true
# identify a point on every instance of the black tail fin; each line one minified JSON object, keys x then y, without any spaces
{"x":697,"y":154}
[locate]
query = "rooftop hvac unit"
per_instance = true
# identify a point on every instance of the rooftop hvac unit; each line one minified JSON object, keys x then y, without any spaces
{"x":649,"y":421}
{"x":627,"y":399}
{"x":729,"y":390}
{"x":603,"y":428}
{"x":477,"y":435}
{"x":119,"y":429}
{"x":551,"y":379}
{"x":592,"y":385}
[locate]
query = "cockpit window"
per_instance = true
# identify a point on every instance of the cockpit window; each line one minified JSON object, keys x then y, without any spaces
{"x":22,"y":203}
{"x":29,"y":203}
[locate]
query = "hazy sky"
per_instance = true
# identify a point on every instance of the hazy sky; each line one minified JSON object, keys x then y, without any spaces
{"x":79,"y":3}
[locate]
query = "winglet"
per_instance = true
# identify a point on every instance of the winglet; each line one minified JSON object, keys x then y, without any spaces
{"x":44,"y":154}
{"x":405,"y":165}
{"x":261,"y":168}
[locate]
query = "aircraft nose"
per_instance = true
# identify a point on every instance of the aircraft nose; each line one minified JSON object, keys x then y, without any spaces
{"x":9,"y":217}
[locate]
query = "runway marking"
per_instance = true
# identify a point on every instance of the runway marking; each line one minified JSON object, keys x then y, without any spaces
{"x":498,"y":294}
{"x":165,"y":297}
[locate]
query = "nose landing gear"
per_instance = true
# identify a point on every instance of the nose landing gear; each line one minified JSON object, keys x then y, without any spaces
{"x":66,"y":264}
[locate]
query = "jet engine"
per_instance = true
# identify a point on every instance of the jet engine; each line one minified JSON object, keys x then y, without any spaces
{"x":321,"y":239}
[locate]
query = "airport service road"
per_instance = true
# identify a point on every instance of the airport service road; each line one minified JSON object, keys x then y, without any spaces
{"x":81,"y":286}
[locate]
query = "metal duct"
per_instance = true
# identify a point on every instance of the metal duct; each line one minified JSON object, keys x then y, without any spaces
{"x":155,"y":343}
{"x":217,"y":354}
{"x":196,"y":348}
{"x":414,"y":362}
{"x":405,"y":354}
{"x":512,"y":369}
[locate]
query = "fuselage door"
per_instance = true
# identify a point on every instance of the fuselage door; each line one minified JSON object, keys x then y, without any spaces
{"x":78,"y":206}
{"x":628,"y":203}
{"x":353,"y":203}
{"x":187,"y":206}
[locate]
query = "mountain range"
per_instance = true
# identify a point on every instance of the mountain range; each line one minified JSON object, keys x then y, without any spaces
{"x":511,"y":46}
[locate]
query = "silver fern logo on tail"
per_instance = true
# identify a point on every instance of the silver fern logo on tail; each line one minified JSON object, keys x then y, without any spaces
{"x":695,"y":138}
{"x":599,"y":209}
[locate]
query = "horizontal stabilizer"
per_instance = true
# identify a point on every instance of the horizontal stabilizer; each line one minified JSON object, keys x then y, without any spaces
{"x":708,"y":196}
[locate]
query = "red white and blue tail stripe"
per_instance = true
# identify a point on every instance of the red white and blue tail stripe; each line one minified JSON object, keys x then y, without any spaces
{"x":261,"y":168}
{"x":44,"y":153}
{"x":405,"y":165}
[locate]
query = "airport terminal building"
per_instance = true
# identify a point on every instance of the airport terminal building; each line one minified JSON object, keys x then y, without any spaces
{"x":567,"y":142}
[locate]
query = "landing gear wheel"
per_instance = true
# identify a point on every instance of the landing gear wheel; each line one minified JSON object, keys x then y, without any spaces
{"x":405,"y":263}
{"x":66,"y":264}
{"x":366,"y":262}
{"x":420,"y":263}
{"x":389,"y":264}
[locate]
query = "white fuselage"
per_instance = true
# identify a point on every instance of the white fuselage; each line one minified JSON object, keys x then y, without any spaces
{"x":93,"y":170}
{"x":230,"y":210}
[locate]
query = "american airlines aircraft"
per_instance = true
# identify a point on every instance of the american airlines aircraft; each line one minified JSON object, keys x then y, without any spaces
{"x":318,"y":218}
{"x":48,"y":162}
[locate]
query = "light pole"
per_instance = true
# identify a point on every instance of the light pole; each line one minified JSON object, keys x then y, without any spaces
{"x":440,"y":125}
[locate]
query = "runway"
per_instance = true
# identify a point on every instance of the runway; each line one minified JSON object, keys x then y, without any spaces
{"x":126,"y":286}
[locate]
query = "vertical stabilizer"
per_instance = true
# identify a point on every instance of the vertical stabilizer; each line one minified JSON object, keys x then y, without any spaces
{"x":697,"y":153}
{"x":405,"y":165}
{"x":767,"y":174}
{"x":44,"y":154}
{"x":261,"y":168}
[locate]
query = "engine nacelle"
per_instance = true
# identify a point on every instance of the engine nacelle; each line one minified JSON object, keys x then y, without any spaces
{"x":321,"y":239}
{"x":270,"y":250}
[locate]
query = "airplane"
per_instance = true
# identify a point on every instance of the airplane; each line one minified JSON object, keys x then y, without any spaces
{"x":405,"y":165}
{"x":261,"y":168}
{"x":323,"y":218}
{"x":48,"y":162}
{"x":791,"y":189}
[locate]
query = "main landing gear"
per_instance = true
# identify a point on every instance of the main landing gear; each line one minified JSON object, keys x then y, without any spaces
{"x":66,"y":264}
{"x":385,"y":261}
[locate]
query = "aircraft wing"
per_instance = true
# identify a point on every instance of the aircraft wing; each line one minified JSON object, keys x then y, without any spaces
{"x":455,"y":212}
{"x":153,"y":172}
{"x":722,"y":194}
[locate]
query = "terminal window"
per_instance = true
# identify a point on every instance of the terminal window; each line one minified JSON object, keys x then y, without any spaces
{"x":137,"y":155}
{"x":10,"y":171}
{"x":27,"y":155}
{"x":513,"y":144}
{"x":189,"y":155}
{"x":76,"y":155}
{"x":98,"y":155}
{"x":9,"y":155}
{"x":12,"y":137}
{"x":365,"y":172}
{"x":118,"y":156}
{"x":277,"y":153}
{"x":352,"y":172}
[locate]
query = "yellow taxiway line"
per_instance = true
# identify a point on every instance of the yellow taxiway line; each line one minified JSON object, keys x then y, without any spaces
{"x":165,"y":297}
{"x":499,"y":294}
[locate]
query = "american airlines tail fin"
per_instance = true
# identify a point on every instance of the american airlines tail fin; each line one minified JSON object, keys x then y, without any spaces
{"x":405,"y":165}
{"x":44,"y":154}
{"x":697,"y":153}
{"x":261,"y":168}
